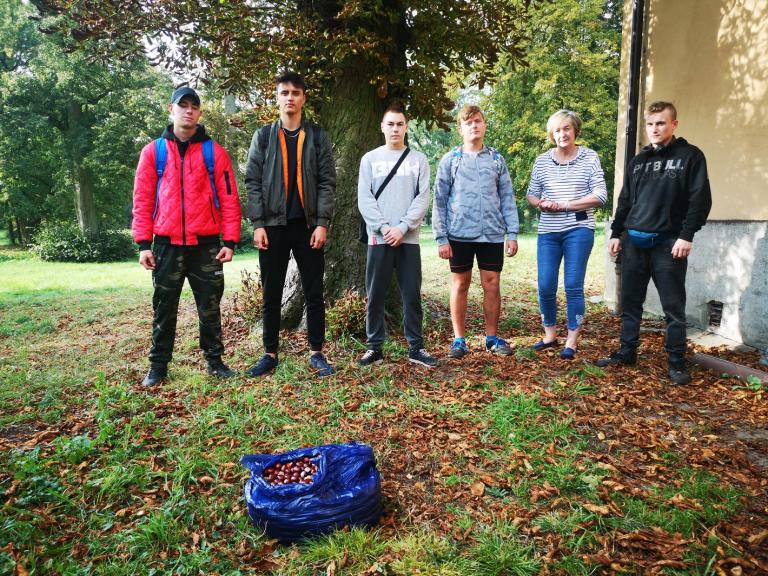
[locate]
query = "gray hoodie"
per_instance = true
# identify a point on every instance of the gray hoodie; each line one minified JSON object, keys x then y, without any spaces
{"x":474,"y":201}
{"x":402,"y":203}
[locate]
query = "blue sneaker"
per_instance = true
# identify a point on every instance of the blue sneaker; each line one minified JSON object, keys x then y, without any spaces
{"x":498,"y":346}
{"x":458,"y":349}
{"x":320,"y":365}
{"x":266,"y":364}
{"x":764,"y":359}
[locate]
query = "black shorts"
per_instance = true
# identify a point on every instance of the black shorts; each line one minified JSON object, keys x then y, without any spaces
{"x":490,"y":256}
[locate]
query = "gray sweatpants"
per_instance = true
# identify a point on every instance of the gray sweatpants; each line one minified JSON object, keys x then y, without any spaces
{"x":406,"y":261}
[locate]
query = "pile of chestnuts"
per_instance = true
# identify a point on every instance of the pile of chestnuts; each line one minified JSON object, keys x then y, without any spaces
{"x":299,"y":471}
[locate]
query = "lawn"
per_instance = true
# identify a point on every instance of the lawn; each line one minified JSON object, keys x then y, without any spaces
{"x":490,"y":466}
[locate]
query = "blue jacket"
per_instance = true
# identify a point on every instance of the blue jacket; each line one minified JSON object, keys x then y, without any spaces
{"x":474,"y":200}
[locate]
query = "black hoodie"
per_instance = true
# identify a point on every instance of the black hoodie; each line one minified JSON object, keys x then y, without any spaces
{"x":666,"y":190}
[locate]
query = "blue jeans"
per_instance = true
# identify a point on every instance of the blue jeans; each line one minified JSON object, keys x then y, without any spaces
{"x":573,"y":246}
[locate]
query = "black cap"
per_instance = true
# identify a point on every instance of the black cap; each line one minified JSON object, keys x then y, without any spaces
{"x":179,"y":93}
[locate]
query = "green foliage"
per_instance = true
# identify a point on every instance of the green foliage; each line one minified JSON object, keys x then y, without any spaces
{"x":71,"y":129}
{"x":64,"y":242}
{"x":409,"y":50}
{"x":573,"y":52}
{"x":346,"y":317}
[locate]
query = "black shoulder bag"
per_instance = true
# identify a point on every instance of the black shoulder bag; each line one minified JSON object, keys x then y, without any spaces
{"x":363,"y":236}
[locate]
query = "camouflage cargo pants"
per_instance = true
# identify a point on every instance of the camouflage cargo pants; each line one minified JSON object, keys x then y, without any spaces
{"x":198,"y":264}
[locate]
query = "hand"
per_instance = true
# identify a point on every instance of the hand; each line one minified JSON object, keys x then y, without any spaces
{"x":393,"y":236}
{"x":681,"y":249}
{"x":317,"y":240}
{"x":614,"y":247}
{"x":549,"y":206}
{"x":260,"y":239}
{"x":225,"y":255}
{"x":445,"y":251}
{"x":511,"y":248}
{"x":147,"y":259}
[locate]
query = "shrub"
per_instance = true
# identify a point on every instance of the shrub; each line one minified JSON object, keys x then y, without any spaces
{"x":247,"y":302}
{"x":64,"y":242}
{"x":346,"y":316}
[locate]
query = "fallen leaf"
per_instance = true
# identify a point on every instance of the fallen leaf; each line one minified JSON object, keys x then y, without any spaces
{"x":597,"y":509}
{"x":330,"y":570}
{"x":477,"y":488}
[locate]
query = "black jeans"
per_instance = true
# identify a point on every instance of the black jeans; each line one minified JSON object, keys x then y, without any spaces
{"x":273,"y":262}
{"x":638,"y":266}
{"x":198,"y":264}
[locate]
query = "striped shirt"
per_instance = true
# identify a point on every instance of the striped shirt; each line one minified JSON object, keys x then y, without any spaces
{"x":573,"y":180}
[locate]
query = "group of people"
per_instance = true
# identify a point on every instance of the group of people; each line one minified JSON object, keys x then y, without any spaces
{"x":187,"y":223}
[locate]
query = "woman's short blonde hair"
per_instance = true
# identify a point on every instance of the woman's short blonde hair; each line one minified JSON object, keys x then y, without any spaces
{"x":558,"y":118}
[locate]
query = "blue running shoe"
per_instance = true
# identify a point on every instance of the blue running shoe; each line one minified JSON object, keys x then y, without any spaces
{"x":320,"y":365}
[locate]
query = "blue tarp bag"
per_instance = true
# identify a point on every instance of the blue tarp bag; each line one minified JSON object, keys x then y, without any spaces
{"x":346,"y":491}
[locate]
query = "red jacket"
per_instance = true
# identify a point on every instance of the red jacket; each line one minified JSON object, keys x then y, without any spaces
{"x":186,"y":209}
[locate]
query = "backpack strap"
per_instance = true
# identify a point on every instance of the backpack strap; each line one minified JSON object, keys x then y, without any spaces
{"x":263,"y":137}
{"x":161,"y":157}
{"x":496,"y":159}
{"x":209,"y":165}
{"x":455,"y":160}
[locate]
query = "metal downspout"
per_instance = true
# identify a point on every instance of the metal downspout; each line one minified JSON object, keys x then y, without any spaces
{"x":630,"y":148}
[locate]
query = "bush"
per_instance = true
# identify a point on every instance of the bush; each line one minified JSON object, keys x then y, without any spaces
{"x":346,"y":316}
{"x":64,"y":242}
{"x":247,"y":302}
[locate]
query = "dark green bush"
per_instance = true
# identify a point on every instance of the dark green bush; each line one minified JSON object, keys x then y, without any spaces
{"x":64,"y":242}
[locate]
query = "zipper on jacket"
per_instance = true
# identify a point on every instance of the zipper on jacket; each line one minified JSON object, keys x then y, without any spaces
{"x":226,"y":179}
{"x":183,"y":216}
{"x":210,"y":203}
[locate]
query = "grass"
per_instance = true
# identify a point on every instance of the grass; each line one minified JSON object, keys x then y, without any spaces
{"x":100,"y":477}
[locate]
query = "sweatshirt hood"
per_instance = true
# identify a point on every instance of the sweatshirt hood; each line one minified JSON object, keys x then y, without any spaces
{"x":673,"y":145}
{"x":199,"y":136}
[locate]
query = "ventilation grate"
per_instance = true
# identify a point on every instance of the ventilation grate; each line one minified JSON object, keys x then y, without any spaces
{"x":715,"y":310}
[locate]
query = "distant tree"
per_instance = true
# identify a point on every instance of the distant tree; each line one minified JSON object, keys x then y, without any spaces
{"x":71,"y":131}
{"x":573,"y":52}
{"x":356,"y":55}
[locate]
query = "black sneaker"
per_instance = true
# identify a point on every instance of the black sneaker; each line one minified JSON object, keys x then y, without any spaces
{"x":157,"y":373}
{"x":266,"y":364}
{"x":623,"y":358}
{"x":421,"y":356}
{"x":679,"y":375}
{"x":216,"y":367}
{"x":372,"y":356}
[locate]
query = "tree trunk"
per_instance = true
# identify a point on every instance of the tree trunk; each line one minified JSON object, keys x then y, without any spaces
{"x":11,"y":232}
{"x":85,"y":207}
{"x":352,"y":118}
{"x":21,"y":228}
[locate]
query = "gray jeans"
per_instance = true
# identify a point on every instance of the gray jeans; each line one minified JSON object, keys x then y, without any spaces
{"x":405,"y":260}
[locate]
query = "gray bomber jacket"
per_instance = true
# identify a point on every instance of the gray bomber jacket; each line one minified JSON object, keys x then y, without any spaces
{"x":264,"y":177}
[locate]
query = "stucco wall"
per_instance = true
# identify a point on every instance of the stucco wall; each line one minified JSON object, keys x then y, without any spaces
{"x":710,"y":57}
{"x":729,"y":264}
